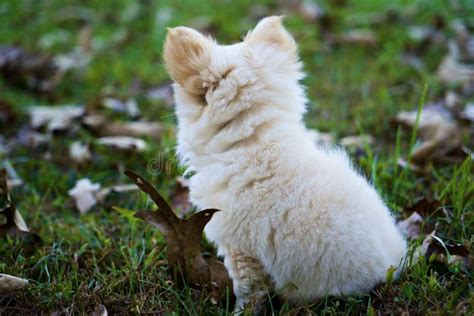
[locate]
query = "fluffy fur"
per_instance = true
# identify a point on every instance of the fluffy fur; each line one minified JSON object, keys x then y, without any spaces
{"x":297,"y":218}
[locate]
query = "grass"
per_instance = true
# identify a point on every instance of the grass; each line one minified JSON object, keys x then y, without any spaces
{"x":106,"y":257}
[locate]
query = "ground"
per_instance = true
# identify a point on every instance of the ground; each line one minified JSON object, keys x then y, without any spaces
{"x":106,"y":257}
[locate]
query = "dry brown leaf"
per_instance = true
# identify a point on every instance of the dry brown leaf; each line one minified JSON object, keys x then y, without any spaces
{"x":120,"y":188}
{"x":14,"y":225}
{"x":180,"y":197}
{"x":102,"y":127}
{"x":183,"y":238}
{"x":58,"y":118}
{"x":100,"y":311}
{"x":33,"y":71}
{"x":129,"y":106}
{"x":451,"y":70}
{"x":10,"y":284}
{"x":357,"y":141}
{"x":411,"y":227}
{"x":421,"y":170}
{"x":354,"y":37}
{"x":163,"y":94}
{"x":437,"y":251}
{"x":123,"y":143}
{"x":439,"y":133}
{"x":310,"y":11}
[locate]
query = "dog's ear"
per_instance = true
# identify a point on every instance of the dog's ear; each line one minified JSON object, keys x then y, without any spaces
{"x":186,"y":53}
{"x":270,"y":30}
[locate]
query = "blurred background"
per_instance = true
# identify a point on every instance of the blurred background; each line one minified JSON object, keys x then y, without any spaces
{"x":84,"y":95}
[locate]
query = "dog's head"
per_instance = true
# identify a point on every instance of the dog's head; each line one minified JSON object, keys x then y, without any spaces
{"x":229,"y":79}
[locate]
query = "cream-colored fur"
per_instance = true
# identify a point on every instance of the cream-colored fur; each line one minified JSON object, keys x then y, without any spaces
{"x":296,"y":217}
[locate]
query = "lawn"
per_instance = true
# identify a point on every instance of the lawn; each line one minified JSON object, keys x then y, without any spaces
{"x":357,"y":84}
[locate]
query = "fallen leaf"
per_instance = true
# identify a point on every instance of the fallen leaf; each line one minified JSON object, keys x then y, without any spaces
{"x":468,"y":112}
{"x":439,"y":133}
{"x":33,"y":71}
{"x":417,"y":169}
{"x":183,"y":238}
{"x":87,"y":194}
{"x":79,"y":153}
{"x":310,"y":11}
{"x":10,"y":284}
{"x":162,"y":93}
{"x":121,"y":188}
{"x":463,"y":45}
{"x":437,"y":251}
{"x":14,"y":225}
{"x":101,"y":126}
{"x":129,"y":106}
{"x":123,"y":143}
{"x":180,"y":196}
{"x":357,"y":141}
{"x":451,"y":100}
{"x":426,"y":207}
{"x":77,"y":58}
{"x":451,"y":70}
{"x":84,"y":194}
{"x":58,"y":118}
{"x":411,"y":227}
{"x":100,"y":311}
{"x":354,"y":37}
{"x":30,"y":138}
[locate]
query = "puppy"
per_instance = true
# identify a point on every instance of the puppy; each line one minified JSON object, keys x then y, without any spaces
{"x":297,"y":218}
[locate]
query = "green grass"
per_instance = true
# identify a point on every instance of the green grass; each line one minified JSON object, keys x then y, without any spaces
{"x":104,"y":257}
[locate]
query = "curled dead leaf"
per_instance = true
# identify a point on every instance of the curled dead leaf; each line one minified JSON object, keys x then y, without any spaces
{"x":84,"y":193}
{"x":129,"y":106}
{"x":180,"y":196}
{"x":58,"y":118}
{"x":123,"y":143}
{"x":87,"y":194}
{"x":411,"y":227}
{"x":354,"y":37}
{"x":33,"y":71}
{"x":100,"y":311}
{"x":357,"y":141}
{"x":163,"y":94}
{"x":101,"y":126}
{"x":183,"y":238}
{"x":439,"y":133}
{"x":447,"y":255}
{"x":13,"y":225}
{"x":10,"y":284}
{"x":451,"y":70}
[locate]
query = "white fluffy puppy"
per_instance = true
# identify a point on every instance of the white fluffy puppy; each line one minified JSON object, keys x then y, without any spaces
{"x":296,"y":217}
